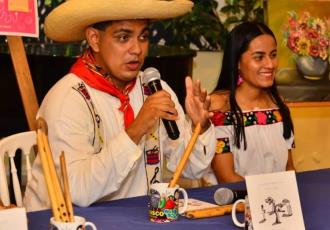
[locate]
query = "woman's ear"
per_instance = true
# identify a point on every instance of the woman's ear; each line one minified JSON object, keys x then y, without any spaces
{"x":93,"y":38}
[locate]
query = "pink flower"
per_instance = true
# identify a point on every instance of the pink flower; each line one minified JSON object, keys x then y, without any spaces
{"x":218,"y":118}
{"x":314,"y":50}
{"x":323,"y":43}
{"x":262,"y":118}
{"x":293,"y":41}
{"x":311,"y":33}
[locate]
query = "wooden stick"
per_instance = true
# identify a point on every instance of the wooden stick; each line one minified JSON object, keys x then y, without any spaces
{"x":185,"y":156}
{"x":24,"y":79}
{"x":67,"y":195}
{"x":57,"y":186}
{"x":60,"y":202}
{"x":42,"y":125}
{"x":48,"y":179}
{"x":214,"y":211}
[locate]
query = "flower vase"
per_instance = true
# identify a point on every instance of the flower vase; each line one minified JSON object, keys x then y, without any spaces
{"x":312,"y":68}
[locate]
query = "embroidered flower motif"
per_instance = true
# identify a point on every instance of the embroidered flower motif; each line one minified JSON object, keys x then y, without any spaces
{"x":218,"y":118}
{"x":277,"y":115}
{"x":245,"y":119}
{"x":261,"y":117}
{"x":219,"y":147}
{"x":222,"y":146}
{"x":250,"y":118}
{"x":83,"y":90}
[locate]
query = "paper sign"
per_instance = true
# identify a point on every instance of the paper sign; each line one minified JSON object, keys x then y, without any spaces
{"x":274,"y":201}
{"x":194,"y":204}
{"x":19,"y":18}
{"x":18,"y":5}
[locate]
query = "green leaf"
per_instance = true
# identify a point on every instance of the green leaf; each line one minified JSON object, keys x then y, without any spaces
{"x":48,"y":2}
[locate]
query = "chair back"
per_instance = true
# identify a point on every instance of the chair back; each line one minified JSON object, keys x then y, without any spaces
{"x":9,"y":146}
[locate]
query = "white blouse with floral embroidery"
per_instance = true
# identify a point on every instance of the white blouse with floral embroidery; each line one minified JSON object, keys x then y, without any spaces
{"x":267,"y":149}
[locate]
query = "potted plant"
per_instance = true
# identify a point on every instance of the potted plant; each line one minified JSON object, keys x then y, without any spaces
{"x":208,"y":25}
{"x":201,"y":29}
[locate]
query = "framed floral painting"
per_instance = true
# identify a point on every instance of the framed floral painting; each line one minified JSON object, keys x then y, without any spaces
{"x":302,"y":30}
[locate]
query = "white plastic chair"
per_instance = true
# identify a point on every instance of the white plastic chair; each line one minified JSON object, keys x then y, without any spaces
{"x":9,"y":146}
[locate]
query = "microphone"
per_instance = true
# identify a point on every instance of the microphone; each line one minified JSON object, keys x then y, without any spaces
{"x":224,"y":196}
{"x":151,"y":78}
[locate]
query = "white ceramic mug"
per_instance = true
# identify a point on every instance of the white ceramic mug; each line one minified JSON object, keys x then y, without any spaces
{"x":79,"y":223}
{"x":247,"y":224}
{"x":164,"y":202}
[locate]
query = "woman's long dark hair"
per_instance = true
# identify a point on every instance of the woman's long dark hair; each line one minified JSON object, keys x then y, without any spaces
{"x":237,"y":43}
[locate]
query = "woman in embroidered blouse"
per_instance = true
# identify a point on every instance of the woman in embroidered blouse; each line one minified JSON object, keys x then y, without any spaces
{"x":246,"y":92}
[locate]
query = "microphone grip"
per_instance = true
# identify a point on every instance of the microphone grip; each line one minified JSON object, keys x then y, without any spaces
{"x":155,"y":86}
{"x":170,"y":126}
{"x":172,"y":129}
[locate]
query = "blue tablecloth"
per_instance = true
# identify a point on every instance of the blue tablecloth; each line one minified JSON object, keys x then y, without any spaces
{"x":132,"y":213}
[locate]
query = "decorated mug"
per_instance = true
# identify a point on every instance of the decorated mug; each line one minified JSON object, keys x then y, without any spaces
{"x":247,"y":224}
{"x":164,"y":202}
{"x":79,"y":223}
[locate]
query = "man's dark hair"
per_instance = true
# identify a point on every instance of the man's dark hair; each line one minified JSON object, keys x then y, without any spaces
{"x":102,"y":25}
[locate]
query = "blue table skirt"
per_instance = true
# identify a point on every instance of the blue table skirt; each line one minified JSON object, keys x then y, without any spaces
{"x":132,"y":213}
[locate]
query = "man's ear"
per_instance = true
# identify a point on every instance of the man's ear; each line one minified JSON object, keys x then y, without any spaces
{"x":93,"y":38}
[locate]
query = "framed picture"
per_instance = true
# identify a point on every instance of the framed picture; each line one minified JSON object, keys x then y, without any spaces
{"x":302,"y":31}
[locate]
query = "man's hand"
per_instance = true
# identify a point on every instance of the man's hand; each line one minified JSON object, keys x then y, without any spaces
{"x":158,"y":105}
{"x":197,"y":104}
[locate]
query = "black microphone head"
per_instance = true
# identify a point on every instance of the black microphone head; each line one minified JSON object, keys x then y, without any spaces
{"x":223,"y":196}
{"x":150,"y":74}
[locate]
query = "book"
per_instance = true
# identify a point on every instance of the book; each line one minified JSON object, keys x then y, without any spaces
{"x":274,"y":201}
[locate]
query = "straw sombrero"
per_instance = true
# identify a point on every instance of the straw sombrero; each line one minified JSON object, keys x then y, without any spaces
{"x":67,"y":22}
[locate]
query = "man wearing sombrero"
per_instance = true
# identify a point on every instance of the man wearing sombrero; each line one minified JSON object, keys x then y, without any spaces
{"x":100,"y":114}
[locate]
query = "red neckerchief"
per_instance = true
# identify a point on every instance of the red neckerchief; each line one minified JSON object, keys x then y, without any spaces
{"x":93,"y":75}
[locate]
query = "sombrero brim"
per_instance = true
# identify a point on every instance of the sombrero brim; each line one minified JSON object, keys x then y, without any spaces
{"x":67,"y":22}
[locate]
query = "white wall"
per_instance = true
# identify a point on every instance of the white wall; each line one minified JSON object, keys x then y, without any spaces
{"x":207,"y":64}
{"x":206,"y":68}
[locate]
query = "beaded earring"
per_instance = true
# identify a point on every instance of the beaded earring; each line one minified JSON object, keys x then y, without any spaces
{"x":239,"y":80}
